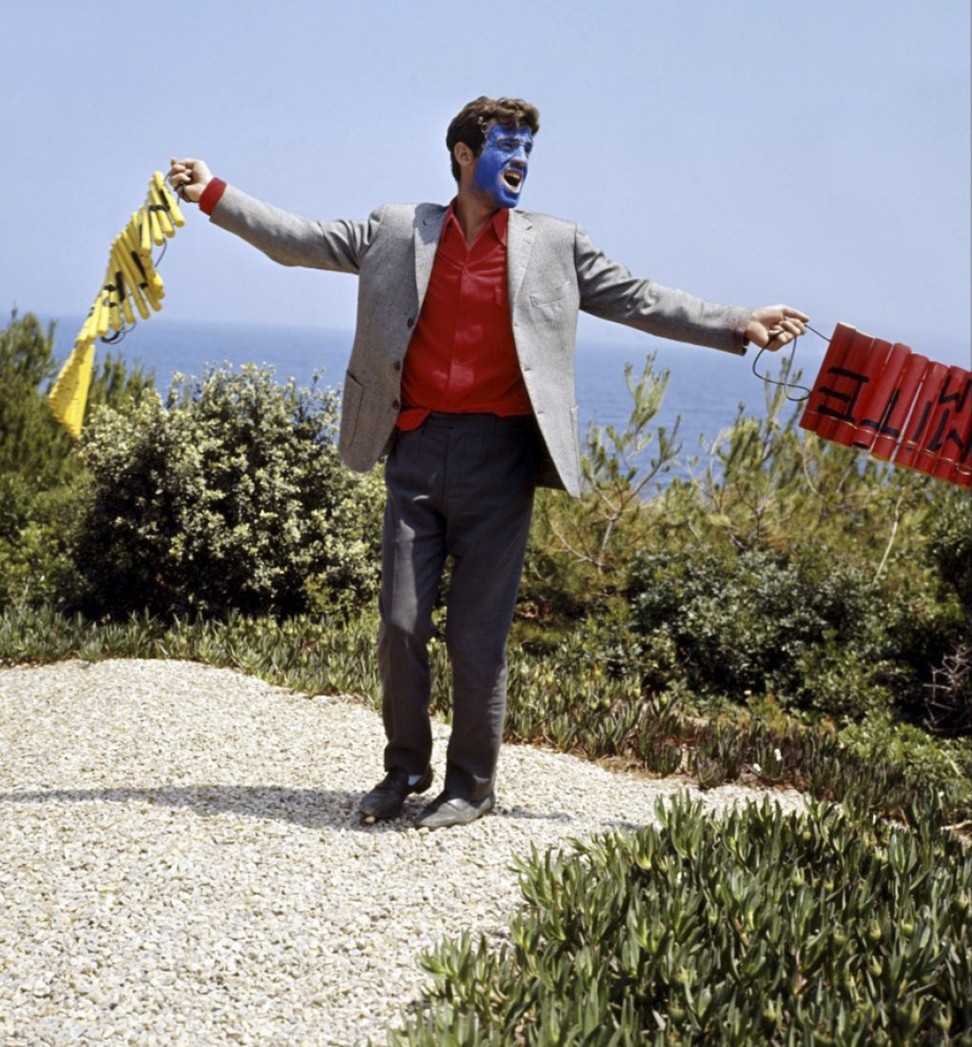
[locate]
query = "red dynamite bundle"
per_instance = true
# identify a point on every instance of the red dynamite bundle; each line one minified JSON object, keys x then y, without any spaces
{"x":898,"y":405}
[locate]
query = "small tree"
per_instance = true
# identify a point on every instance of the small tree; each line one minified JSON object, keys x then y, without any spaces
{"x":581,"y":547}
{"x":41,"y":476}
{"x":32,"y":444}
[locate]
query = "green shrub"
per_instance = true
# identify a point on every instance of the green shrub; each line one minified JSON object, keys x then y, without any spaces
{"x":943,"y":765}
{"x":574,"y":700}
{"x":755,"y":623}
{"x":229,"y":496}
{"x":756,"y":928}
{"x":950,"y":543}
{"x":764,"y":483}
{"x":819,"y":636}
{"x":947,"y":698}
{"x":36,"y":561}
{"x":33,"y":445}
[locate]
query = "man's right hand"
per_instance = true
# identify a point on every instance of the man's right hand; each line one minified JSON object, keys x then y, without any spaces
{"x":189,"y":178}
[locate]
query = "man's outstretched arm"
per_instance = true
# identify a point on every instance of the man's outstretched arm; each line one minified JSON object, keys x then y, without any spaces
{"x":610,"y":291}
{"x":287,"y":238}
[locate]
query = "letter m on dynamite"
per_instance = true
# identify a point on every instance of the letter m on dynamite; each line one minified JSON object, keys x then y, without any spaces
{"x":894,"y":403}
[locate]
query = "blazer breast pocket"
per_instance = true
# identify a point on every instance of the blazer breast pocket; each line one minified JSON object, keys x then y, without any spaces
{"x":549,"y":305}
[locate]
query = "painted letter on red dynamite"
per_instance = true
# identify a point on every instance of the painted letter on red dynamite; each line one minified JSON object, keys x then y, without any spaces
{"x":882,"y":398}
{"x":840,"y":341}
{"x":870,"y":363}
{"x":919,"y":426}
{"x":950,"y":433}
{"x":895,"y":418}
{"x":844,"y":385}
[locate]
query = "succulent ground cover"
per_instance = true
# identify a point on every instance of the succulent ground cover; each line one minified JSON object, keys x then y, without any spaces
{"x":756,"y":928}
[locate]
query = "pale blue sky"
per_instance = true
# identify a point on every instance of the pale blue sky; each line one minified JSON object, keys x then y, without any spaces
{"x":751,"y":151}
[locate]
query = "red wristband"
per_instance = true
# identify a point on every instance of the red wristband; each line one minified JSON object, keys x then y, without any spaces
{"x":211,"y":196}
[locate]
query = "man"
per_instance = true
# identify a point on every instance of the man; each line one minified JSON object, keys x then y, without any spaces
{"x":462,"y":373}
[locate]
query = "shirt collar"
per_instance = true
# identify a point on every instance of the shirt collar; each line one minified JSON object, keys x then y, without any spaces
{"x":499,"y":223}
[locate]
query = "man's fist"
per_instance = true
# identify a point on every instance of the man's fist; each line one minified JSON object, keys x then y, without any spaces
{"x":189,"y":178}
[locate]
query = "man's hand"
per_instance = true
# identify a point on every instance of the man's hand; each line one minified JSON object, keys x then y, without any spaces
{"x":774,"y":326}
{"x":189,"y":178}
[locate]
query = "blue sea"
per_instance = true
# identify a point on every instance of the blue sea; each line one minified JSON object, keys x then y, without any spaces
{"x":705,"y":387}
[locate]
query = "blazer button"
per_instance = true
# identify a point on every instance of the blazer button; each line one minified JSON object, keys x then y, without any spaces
{"x":410,"y":322}
{"x":396,"y":406}
{"x":397,"y":365}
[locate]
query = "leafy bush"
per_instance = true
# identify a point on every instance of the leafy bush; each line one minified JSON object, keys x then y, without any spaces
{"x":948,"y":696}
{"x":941,"y":765}
{"x":760,"y":927}
{"x":758,"y":623}
{"x":764,"y":483}
{"x":950,"y":544}
{"x":36,"y":562}
{"x":229,"y":496}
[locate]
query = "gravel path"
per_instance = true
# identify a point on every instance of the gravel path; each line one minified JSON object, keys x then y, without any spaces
{"x":181,"y":862}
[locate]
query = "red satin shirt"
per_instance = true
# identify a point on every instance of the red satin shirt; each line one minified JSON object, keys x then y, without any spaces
{"x":462,"y":358}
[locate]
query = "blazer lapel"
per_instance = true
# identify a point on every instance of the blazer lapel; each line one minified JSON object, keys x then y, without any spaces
{"x":520,"y":234}
{"x":428,"y":229}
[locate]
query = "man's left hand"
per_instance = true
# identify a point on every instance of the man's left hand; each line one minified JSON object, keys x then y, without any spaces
{"x":774,"y":326}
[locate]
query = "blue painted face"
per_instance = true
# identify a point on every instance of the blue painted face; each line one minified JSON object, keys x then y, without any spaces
{"x":501,"y":167}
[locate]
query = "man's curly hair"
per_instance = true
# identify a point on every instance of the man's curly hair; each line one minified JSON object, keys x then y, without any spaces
{"x":470,"y":123}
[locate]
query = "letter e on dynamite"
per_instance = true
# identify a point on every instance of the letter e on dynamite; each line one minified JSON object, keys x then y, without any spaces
{"x":898,"y":405}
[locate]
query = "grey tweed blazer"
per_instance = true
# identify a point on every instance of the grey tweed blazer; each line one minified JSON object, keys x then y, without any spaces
{"x":553,"y":271}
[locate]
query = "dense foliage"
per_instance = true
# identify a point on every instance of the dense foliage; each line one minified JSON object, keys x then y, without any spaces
{"x":783,"y":572}
{"x":756,"y":928}
{"x":228,"y":496}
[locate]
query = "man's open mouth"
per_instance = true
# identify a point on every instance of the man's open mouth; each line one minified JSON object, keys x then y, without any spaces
{"x":513,"y":178}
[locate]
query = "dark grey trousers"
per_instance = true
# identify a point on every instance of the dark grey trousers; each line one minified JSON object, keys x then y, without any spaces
{"x":460,"y":486}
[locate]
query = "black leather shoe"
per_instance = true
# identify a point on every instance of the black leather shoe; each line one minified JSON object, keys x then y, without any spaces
{"x":446,"y":810}
{"x":386,"y":799}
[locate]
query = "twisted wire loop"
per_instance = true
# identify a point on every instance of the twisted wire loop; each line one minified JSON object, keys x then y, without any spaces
{"x":788,"y":385}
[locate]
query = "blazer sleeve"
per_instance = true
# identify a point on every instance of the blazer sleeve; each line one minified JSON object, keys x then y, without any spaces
{"x":292,"y":240}
{"x":609,"y":291}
